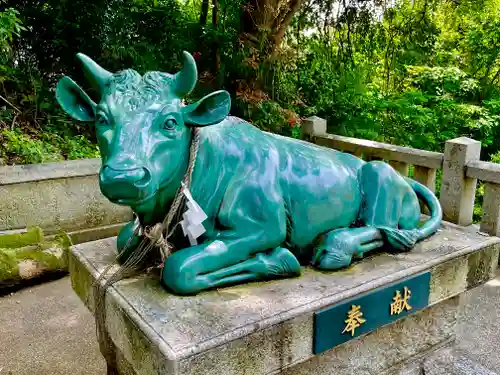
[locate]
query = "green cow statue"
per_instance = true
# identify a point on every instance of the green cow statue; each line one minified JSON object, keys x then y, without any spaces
{"x":271,"y":203}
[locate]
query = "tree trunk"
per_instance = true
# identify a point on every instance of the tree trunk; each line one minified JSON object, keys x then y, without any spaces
{"x":204,"y":12}
{"x":215,"y":22}
{"x":263,"y":27}
{"x":281,"y":23}
{"x":262,"y":19}
{"x":215,"y":12}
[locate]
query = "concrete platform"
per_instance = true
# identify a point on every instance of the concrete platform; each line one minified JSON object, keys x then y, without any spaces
{"x":46,"y":330}
{"x":266,"y":328}
{"x":479,"y":333}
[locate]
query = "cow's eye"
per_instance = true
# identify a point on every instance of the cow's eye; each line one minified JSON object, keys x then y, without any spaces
{"x":102,"y":120}
{"x":169,"y":124}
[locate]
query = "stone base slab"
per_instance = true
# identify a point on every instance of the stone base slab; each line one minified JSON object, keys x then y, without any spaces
{"x":401,"y":347}
{"x":267,"y":328}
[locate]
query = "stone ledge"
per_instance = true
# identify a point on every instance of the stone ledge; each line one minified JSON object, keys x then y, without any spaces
{"x":385,"y":348}
{"x":82,"y":235}
{"x":484,"y":171}
{"x":440,"y":360}
{"x":157,"y":331}
{"x":69,"y":203}
{"x":414,"y":365}
{"x":95,"y":233}
{"x":401,"y":346}
{"x":18,"y":174}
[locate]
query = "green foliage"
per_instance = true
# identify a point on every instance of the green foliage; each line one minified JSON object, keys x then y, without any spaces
{"x":147,"y":35}
{"x":495,"y":158}
{"x":19,"y":148}
{"x":77,"y":147}
{"x":398,"y":84}
{"x":415,"y":73}
{"x":10,"y":26}
{"x":444,"y":81}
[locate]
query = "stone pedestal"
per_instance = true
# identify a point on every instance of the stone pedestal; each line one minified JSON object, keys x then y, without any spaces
{"x":269,"y":327}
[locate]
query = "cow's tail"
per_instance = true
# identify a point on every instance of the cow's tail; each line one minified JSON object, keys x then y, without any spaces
{"x":402,"y":239}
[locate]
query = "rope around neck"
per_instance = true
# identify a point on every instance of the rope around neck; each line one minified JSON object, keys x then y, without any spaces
{"x":156,"y":233}
{"x":154,"y":237}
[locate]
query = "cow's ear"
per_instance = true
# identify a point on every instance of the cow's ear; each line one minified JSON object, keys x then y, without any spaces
{"x":209,"y":110}
{"x":75,"y":101}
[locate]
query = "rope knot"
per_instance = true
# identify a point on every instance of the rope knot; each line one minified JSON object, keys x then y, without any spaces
{"x":155,"y":235}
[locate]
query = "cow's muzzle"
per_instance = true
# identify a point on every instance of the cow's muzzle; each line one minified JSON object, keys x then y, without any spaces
{"x":125,"y":185}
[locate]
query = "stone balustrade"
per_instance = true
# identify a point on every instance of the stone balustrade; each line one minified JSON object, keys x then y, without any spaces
{"x":58,"y":197}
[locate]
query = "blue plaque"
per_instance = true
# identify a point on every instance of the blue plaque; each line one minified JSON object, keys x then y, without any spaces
{"x":343,"y":322}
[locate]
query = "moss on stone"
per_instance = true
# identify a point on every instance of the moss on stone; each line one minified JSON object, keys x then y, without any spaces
{"x":61,"y":240}
{"x":42,"y":255}
{"x":33,"y":236}
{"x":8,"y":266}
{"x":64,"y":240}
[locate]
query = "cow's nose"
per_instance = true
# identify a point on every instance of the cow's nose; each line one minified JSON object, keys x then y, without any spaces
{"x":136,"y":176}
{"x":124,"y":184}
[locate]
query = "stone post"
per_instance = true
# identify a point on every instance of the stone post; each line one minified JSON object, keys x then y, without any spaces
{"x":490,"y":222}
{"x":458,"y":191}
{"x":313,"y":126}
{"x":426,"y":176}
{"x":402,"y":168}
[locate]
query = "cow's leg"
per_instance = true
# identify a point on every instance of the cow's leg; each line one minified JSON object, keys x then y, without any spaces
{"x":128,"y":240}
{"x":274,"y":264}
{"x":390,"y":212}
{"x":277,"y":263}
{"x":233,"y":255}
{"x":337,"y":248}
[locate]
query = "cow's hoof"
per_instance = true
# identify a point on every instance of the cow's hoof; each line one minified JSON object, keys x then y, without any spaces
{"x":331,"y":259}
{"x":335,"y":250}
{"x":279,"y":263}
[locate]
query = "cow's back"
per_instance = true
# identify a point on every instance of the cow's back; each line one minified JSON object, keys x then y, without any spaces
{"x":319,"y":186}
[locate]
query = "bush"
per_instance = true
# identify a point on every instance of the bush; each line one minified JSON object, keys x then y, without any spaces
{"x":19,"y":148}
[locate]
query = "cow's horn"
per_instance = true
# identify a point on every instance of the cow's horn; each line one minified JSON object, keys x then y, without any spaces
{"x":185,"y":80}
{"x":97,"y":76}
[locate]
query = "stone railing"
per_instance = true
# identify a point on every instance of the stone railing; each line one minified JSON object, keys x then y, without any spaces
{"x":460,"y":165}
{"x":58,"y":197}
